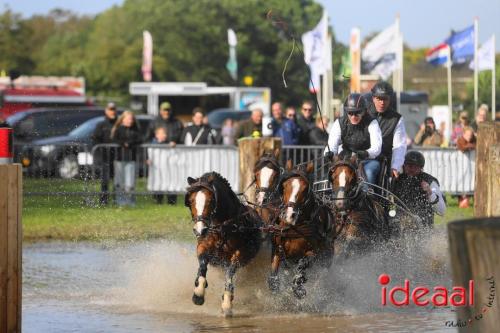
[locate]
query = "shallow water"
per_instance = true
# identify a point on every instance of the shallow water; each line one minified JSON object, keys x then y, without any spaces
{"x":147,"y":287}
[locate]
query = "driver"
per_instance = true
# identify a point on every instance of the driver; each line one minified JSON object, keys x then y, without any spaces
{"x":357,"y":133}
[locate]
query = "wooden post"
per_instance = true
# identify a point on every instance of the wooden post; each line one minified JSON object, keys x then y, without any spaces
{"x":488,"y":135}
{"x":10,"y":247}
{"x":475,"y":255}
{"x":493,"y":203}
{"x":250,"y":151}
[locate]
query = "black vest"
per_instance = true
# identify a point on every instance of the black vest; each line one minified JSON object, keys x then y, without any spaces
{"x":409,"y":190}
{"x":387,"y":120}
{"x":355,"y":137}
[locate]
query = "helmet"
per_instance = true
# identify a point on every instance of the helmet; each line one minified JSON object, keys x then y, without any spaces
{"x":355,"y":103}
{"x":382,"y":89}
{"x":415,"y":157}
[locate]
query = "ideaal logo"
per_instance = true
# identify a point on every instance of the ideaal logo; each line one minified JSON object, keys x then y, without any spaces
{"x":438,"y":297}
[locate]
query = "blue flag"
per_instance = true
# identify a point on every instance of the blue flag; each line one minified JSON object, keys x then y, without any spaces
{"x":462,"y":45}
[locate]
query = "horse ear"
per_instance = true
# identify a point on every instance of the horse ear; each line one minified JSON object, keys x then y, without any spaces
{"x":289,"y":166}
{"x":276,"y":153}
{"x":191,"y":180}
{"x":309,"y":167}
{"x":354,"y":159}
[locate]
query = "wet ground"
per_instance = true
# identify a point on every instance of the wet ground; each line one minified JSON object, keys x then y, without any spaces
{"x":147,"y":287}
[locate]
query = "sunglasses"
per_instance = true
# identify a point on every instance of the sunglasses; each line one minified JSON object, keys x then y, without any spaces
{"x":291,"y":115}
{"x":354,"y":113}
{"x":306,"y":109}
{"x":382,"y":98}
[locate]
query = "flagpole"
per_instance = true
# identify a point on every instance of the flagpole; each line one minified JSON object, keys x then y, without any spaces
{"x":493,"y":84}
{"x":476,"y":34}
{"x":450,"y":105}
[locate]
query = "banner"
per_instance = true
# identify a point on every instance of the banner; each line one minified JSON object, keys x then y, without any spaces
{"x":147,"y":57}
{"x":355,"y":53}
{"x":485,"y":56}
{"x":232,"y":63}
{"x":379,"y":55}
{"x":317,"y":53}
{"x":462,"y":45}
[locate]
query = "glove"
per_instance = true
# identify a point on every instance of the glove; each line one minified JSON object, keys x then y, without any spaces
{"x":329,"y":155}
{"x":362,"y":154}
{"x":346,"y":153}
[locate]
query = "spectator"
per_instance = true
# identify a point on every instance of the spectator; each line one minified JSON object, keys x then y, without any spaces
{"x":463,"y":121}
{"x":289,"y":131}
{"x":166,"y":119}
{"x":290,"y":113}
{"x":481,"y":117}
{"x":251,"y":127}
{"x":467,"y":141}
{"x":306,"y":122}
{"x":198,"y":133}
{"x":228,"y":132}
{"x":428,"y":136}
{"x":104,"y":156}
{"x":174,"y":131}
{"x":318,"y":136}
{"x":277,"y":113}
{"x":160,"y":138}
{"x":125,"y":133}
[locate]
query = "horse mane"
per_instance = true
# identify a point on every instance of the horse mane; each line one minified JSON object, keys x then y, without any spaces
{"x":222,"y":187}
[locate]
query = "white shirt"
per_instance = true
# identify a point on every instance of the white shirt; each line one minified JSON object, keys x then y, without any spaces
{"x":439,"y":207}
{"x":399,"y":146}
{"x":335,"y":140}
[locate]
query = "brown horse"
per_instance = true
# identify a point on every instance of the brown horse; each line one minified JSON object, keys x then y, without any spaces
{"x":228,"y":232}
{"x":360,"y":219}
{"x":305,"y":231}
{"x":267,"y":172}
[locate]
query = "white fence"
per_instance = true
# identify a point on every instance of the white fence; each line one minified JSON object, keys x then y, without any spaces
{"x":169,"y":167}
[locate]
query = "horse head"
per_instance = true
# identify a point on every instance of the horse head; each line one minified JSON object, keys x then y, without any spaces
{"x":344,"y":179}
{"x":266,"y":172}
{"x":295,"y":191}
{"x":201,"y":198}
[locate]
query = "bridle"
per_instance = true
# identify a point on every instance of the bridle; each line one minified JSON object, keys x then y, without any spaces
{"x":356,"y":188}
{"x":196,"y":187}
{"x":298,"y":210}
{"x":268,"y":191}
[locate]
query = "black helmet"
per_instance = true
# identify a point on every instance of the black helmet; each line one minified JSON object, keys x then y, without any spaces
{"x":382,"y":89}
{"x":415,"y":157}
{"x":355,"y":103}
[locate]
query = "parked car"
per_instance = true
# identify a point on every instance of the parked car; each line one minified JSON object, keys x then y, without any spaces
{"x":68,"y":155}
{"x":42,"y":123}
{"x":216,"y":117}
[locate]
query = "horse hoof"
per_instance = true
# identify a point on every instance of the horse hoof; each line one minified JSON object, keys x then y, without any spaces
{"x":198,"y":300}
{"x":299,"y":292}
{"x":273,"y":283}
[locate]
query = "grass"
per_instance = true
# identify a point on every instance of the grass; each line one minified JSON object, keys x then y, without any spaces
{"x":77,"y":218}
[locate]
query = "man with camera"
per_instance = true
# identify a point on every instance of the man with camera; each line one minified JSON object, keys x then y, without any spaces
{"x":428,"y":136}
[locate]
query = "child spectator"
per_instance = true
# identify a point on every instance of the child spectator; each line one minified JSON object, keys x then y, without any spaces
{"x":154,"y":168}
{"x":228,"y":132}
{"x":467,"y":141}
{"x":463,"y":121}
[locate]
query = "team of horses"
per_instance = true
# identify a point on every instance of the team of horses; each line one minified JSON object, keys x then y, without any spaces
{"x":303,"y":228}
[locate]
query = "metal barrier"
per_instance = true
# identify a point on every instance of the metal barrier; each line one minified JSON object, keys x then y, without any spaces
{"x":166,"y":168}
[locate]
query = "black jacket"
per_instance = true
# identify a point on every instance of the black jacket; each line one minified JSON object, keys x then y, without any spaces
{"x":318,"y":137}
{"x":387,"y":120}
{"x":172,"y":125}
{"x":102,"y":132}
{"x":305,"y":125}
{"x":203,"y":135}
{"x":128,"y":138}
{"x":355,"y":137}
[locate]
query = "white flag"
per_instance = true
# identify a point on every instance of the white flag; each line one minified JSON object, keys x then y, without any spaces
{"x":147,"y":56}
{"x":485,"y":56}
{"x":379,"y":54}
{"x":317,"y":52}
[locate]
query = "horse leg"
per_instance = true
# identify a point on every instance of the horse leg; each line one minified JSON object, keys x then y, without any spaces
{"x":228,"y":295}
{"x":273,"y":280}
{"x":200,"y":283}
{"x":300,"y":277}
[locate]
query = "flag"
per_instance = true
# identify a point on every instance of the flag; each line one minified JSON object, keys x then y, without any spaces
{"x":437,"y":55}
{"x":355,"y":53}
{"x":462,"y":45}
{"x":379,"y":55}
{"x":317,"y":51}
{"x":232,"y":63}
{"x":147,"y":56}
{"x":485,"y":56}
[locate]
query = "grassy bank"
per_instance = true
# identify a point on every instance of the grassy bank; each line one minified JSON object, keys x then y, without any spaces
{"x":75,"y":218}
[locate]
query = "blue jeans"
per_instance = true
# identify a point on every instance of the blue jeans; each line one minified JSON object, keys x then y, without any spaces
{"x":124,"y":182}
{"x":372,"y":168}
